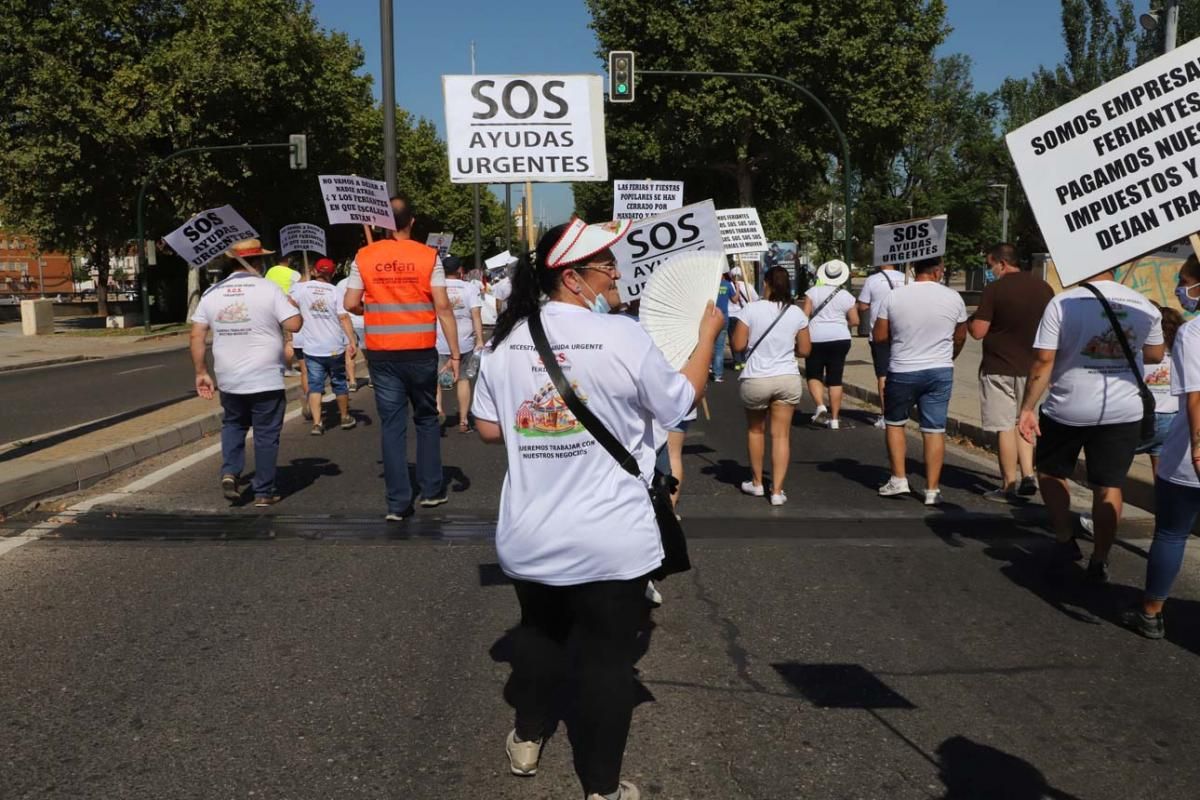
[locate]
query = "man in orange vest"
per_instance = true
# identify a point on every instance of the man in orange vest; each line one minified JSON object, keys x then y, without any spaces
{"x":399,"y":287}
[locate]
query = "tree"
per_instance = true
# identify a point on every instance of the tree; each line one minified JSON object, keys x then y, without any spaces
{"x":759,"y":142}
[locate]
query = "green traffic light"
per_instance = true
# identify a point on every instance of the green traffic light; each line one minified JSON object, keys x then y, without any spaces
{"x":622,"y":88}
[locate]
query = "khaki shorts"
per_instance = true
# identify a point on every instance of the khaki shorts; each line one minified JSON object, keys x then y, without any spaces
{"x":1000,"y":400}
{"x":759,"y":393}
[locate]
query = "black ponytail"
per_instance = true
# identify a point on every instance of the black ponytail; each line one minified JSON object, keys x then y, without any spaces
{"x":530,"y":281}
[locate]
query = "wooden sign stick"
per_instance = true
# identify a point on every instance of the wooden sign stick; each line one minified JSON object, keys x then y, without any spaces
{"x":704,"y":405}
{"x":1195,"y":240}
{"x":367,"y":231}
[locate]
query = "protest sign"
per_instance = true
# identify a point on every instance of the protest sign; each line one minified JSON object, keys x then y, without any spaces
{"x":351,"y":200}
{"x":209,"y":234}
{"x":302,"y":238}
{"x":910,"y":240}
{"x":1114,"y":174}
{"x":652,"y":241}
{"x":640,"y":199}
{"x":741,"y":231}
{"x":511,"y":128}
{"x":440,"y":242}
{"x":499,"y":261}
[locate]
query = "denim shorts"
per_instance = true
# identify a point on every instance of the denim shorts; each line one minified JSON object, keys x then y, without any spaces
{"x":927,"y":389}
{"x":1162,"y":424}
{"x":331,"y":367}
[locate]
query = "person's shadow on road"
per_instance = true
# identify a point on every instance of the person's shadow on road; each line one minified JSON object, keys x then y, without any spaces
{"x":301,"y":473}
{"x":973,"y":771}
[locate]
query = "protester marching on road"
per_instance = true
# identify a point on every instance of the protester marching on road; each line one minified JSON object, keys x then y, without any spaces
{"x":1158,"y":380}
{"x":247,"y":315}
{"x":577,"y":533}
{"x":926,"y":325}
{"x":1007,"y":319}
{"x":283,"y":276}
{"x":871,"y":297}
{"x":743,"y":295}
{"x":725,"y":294}
{"x":356,"y":323}
{"x":829,"y":309}
{"x":1177,"y":474}
{"x":1094,"y":405}
{"x":399,"y":287}
{"x":329,"y":341}
{"x":468,"y":315}
{"x":773,"y":332}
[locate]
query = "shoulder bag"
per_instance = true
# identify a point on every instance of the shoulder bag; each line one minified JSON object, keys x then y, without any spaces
{"x":674,"y":544}
{"x":771,"y":327}
{"x":1148,"y":406}
{"x":817,"y":311}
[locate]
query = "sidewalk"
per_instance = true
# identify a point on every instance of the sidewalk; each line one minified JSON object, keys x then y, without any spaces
{"x":964,"y":419}
{"x":22,"y":352}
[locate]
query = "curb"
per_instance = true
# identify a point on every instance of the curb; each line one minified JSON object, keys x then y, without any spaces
{"x":1137,"y":491}
{"x":49,"y":362}
{"x":80,"y":472}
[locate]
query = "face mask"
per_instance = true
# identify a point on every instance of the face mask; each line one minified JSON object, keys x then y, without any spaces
{"x":599,"y":303}
{"x":1188,"y":302}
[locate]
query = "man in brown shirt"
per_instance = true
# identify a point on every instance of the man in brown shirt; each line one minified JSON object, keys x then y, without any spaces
{"x":1007,"y":322}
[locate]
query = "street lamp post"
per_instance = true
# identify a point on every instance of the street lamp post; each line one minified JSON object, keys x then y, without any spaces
{"x":1004,"y":213}
{"x":388,"y":56}
{"x":1168,"y":15}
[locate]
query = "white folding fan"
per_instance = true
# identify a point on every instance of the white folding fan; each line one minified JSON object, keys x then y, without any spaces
{"x":674,"y":301}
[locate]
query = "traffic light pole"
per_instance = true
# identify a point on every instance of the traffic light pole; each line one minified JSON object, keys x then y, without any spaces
{"x":143,"y":273}
{"x":811,"y":98}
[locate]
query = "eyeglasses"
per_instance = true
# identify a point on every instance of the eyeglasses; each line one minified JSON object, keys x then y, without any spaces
{"x":608,"y":269}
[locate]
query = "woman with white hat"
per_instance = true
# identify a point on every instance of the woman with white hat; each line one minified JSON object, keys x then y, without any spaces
{"x":577,"y":531}
{"x":832,"y":313}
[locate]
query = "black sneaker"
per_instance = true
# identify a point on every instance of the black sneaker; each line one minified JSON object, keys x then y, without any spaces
{"x":1028,"y":486}
{"x":1137,"y":620}
{"x":1062,"y":556}
{"x":266,"y":501}
{"x":434,"y":502}
{"x":1097,"y":573}
{"x":229,"y":487}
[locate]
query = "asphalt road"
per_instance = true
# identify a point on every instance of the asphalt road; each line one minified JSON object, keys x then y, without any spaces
{"x":45,"y":399}
{"x":164,"y":644}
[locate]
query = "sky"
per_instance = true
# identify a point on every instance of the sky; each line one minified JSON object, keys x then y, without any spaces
{"x":1010,"y":38}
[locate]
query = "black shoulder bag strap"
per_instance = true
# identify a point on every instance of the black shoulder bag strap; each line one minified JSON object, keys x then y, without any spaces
{"x":817,"y":311}
{"x":750,"y":352}
{"x":582,"y":413}
{"x":1148,"y":404}
{"x":888,"y":278}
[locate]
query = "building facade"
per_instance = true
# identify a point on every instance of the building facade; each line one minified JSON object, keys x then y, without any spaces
{"x":26,"y":272}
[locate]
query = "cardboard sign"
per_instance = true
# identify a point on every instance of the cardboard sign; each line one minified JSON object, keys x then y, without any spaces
{"x":350,"y":200}
{"x":741,"y":231}
{"x":511,"y":128}
{"x":209,"y":234}
{"x":440,"y":242}
{"x":1115,"y":174}
{"x":640,"y":199}
{"x":910,"y":240}
{"x":499,"y":261}
{"x":652,"y":241}
{"x":302,"y":238}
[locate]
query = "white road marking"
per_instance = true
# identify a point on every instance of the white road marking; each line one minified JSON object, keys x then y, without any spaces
{"x":141,"y":369}
{"x":35,"y":532}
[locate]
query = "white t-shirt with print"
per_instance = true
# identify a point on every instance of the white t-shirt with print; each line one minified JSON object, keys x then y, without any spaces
{"x":502,"y":289}
{"x":321,"y":306}
{"x":776,"y":355}
{"x":743,"y":295}
{"x":356,"y":320}
{"x":1175,"y":463}
{"x":830,"y":325}
{"x":568,"y":513}
{"x":1091,"y":383}
{"x":244,"y":312}
{"x":1158,"y":381}
{"x":922,"y":317}
{"x":463,"y":298}
{"x":875,"y":290}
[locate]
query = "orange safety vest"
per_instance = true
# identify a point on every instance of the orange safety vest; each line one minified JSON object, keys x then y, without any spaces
{"x":397,"y":295}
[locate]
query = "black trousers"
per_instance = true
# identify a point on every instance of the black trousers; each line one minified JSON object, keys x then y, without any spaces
{"x":584,"y":637}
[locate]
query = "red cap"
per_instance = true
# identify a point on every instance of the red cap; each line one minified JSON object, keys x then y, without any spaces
{"x":324,"y":266}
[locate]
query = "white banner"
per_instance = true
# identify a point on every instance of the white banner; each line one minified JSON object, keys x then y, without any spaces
{"x":209,"y":234}
{"x":499,"y":260}
{"x":512,"y":128}
{"x":1114,"y":174}
{"x":302,"y":237}
{"x":742,"y":231}
{"x":350,"y":200}
{"x":640,"y":199}
{"x":910,"y":240}
{"x":652,"y":241}
{"x":440,"y":242}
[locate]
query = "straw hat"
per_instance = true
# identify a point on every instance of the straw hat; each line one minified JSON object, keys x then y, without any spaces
{"x":248,"y":248}
{"x":833,"y":273}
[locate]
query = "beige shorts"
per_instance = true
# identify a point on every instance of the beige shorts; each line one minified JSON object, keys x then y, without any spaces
{"x":1000,"y":400}
{"x":759,"y":393}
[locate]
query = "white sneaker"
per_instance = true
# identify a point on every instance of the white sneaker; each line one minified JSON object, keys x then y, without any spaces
{"x":748,"y":487}
{"x":833,"y":424}
{"x":881,"y":423}
{"x":522,"y":756}
{"x":820,"y":415}
{"x":1085,"y":522}
{"x":895,"y":486}
{"x":778,"y":499}
{"x":626,"y":791}
{"x":933,"y":497}
{"x":653,"y":595}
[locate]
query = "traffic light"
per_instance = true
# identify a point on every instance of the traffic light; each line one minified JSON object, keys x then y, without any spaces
{"x":620,"y":76}
{"x":298,"y":150}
